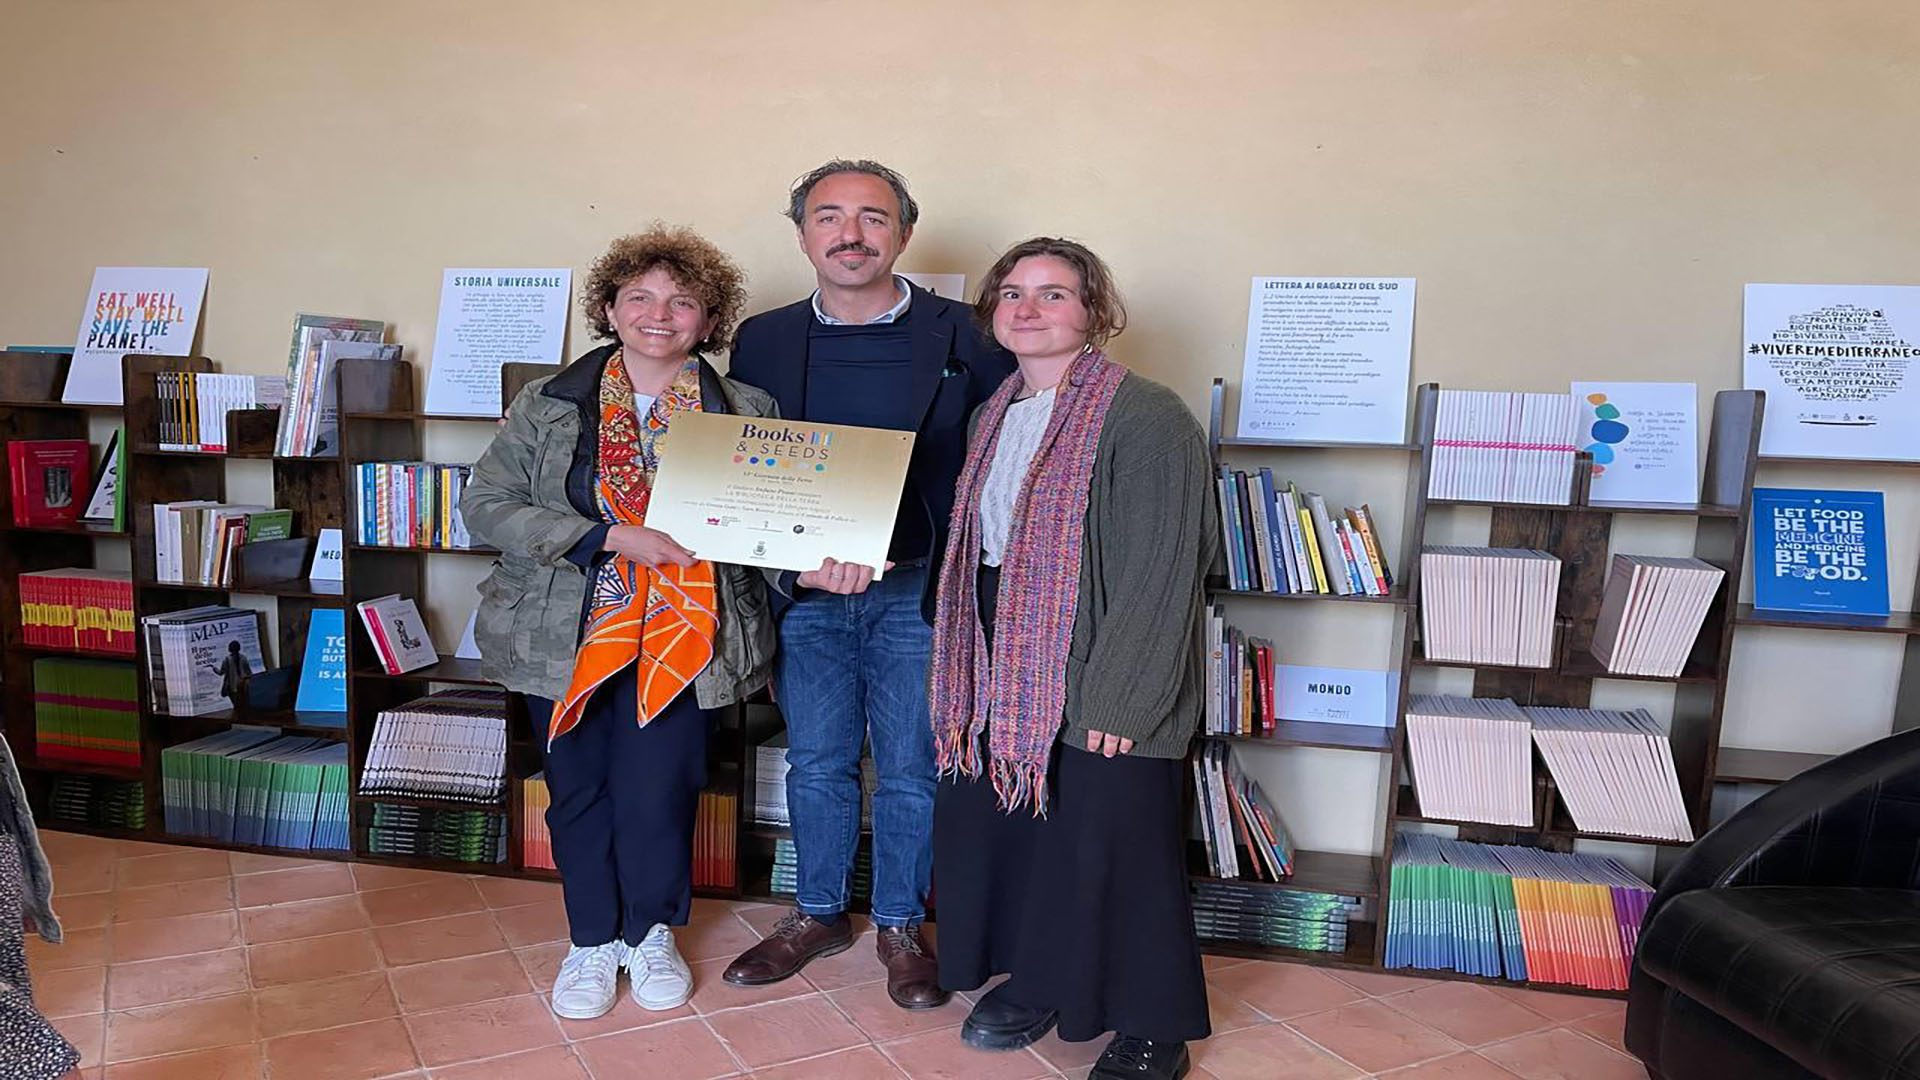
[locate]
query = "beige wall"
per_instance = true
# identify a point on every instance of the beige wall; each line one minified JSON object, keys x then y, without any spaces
{"x":1581,"y":188}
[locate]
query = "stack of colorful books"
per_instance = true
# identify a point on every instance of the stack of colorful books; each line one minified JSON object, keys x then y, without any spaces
{"x":256,"y":786}
{"x":536,"y":843}
{"x":1280,"y":539}
{"x":786,"y":870}
{"x":715,"y":829}
{"x":476,"y":836}
{"x":98,"y":801}
{"x":77,"y":608}
{"x":1278,"y":918}
{"x":411,"y":504}
{"x":1513,"y":912}
{"x":1244,"y":835}
{"x":86,"y":711}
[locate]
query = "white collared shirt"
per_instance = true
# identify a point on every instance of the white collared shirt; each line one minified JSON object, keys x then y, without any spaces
{"x":892,"y":314}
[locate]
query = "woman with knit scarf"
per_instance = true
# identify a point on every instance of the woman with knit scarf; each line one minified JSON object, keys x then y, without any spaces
{"x":1067,"y":683}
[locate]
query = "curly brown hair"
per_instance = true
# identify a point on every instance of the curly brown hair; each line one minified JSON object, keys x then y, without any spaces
{"x":700,"y":267}
{"x":1106,"y":315}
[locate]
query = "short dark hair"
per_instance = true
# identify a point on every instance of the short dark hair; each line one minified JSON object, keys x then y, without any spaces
{"x":700,"y":268}
{"x":803,"y":187}
{"x":1106,"y":314}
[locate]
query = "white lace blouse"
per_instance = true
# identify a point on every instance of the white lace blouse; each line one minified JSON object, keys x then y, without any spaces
{"x":1020,"y":432}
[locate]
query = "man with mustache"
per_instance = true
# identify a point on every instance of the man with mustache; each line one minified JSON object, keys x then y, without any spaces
{"x":871,"y":349}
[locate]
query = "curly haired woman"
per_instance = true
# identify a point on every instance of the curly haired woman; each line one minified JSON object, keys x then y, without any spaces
{"x":604,"y":624}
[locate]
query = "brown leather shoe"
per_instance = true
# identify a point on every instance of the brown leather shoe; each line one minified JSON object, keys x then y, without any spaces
{"x":796,"y":939}
{"x":912,"y":973}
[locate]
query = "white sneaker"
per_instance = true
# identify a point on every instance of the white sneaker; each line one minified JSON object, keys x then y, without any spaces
{"x":589,"y":981}
{"x":661,"y":980}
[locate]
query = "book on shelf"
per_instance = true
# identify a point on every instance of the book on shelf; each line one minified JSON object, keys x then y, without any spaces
{"x":1614,"y":769}
{"x":86,"y":711}
{"x":411,"y":504}
{"x":1240,"y":689}
{"x":1274,"y":918}
{"x":1504,"y":446}
{"x":1280,"y":539}
{"x":107,"y":505}
{"x":770,"y":783}
{"x":49,"y":477}
{"x":715,"y":848}
{"x":312,"y":393}
{"x":1241,"y":829}
{"x":1816,"y":550}
{"x":198,"y":658}
{"x":1514,"y":913}
{"x":1472,"y":759}
{"x":1488,"y":605}
{"x":536,"y":843}
{"x":398,"y":633}
{"x":437,"y":832}
{"x":77,"y":608}
{"x":310,"y":426}
{"x":98,"y":801}
{"x":1652,"y":611}
{"x":198,"y":541}
{"x":785,"y":880}
{"x":193,"y":405}
{"x":256,"y":786}
{"x":323,"y":670}
{"x":448,"y":745}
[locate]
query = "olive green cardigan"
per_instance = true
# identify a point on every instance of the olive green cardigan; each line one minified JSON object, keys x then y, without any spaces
{"x":1135,"y":666}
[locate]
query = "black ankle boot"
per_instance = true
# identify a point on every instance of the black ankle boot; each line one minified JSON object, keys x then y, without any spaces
{"x":1128,"y":1058}
{"x":998,"y":1022}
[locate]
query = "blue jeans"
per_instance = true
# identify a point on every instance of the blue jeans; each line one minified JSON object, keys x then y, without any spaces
{"x":852,"y":668}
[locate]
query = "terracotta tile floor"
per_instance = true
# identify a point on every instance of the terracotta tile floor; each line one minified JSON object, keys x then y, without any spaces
{"x":196,"y":964}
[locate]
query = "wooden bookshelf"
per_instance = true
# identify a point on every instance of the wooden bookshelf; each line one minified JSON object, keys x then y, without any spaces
{"x":1330,"y":872}
{"x":1580,"y":535}
{"x":379,"y":421}
{"x":30,"y":408}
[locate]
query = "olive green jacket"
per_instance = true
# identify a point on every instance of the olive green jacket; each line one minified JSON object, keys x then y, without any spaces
{"x":518,"y":500}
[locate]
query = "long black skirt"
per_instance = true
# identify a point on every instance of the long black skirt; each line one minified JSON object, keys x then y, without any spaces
{"x":1086,"y":909}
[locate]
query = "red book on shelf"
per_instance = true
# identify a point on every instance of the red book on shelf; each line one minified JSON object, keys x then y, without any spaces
{"x":51,"y":478}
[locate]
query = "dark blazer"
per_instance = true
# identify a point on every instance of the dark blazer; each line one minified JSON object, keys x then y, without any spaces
{"x":954,"y":369}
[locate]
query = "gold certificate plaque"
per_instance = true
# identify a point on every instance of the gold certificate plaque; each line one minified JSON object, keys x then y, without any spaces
{"x":779,"y":493}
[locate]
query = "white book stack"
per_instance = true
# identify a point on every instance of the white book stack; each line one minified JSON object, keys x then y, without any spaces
{"x":1488,"y":605}
{"x":1614,"y":770}
{"x":1472,"y":759}
{"x":449,"y":745}
{"x":1652,"y":612}
{"x":1503,"y":446}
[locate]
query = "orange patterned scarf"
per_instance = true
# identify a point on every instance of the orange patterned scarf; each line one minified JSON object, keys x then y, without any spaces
{"x":660,"y":618}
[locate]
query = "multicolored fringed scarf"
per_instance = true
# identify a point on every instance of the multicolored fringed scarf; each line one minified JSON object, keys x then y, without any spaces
{"x":663,"y":618}
{"x":1019,"y":693}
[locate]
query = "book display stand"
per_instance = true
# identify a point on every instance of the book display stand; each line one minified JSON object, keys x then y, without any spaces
{"x":1579,"y":535}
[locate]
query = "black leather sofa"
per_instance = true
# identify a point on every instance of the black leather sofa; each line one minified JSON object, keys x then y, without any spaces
{"x":1786,"y":942}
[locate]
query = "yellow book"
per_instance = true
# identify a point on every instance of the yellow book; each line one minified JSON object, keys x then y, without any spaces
{"x":1313,"y":552}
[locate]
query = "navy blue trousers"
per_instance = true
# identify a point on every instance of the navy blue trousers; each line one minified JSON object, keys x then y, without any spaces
{"x":624,"y":800}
